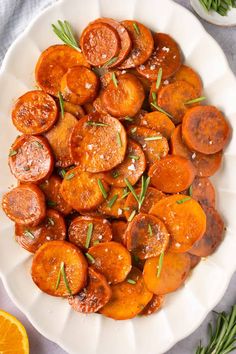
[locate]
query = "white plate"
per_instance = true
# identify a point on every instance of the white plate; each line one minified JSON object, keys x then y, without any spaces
{"x":214,"y":17}
{"x":185,"y":309}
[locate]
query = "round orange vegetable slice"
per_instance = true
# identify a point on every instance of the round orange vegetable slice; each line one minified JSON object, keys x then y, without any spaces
{"x":83,"y":190}
{"x":90,"y":143}
{"x":142,"y":44}
{"x":167,"y":276}
{"x":59,"y":269}
{"x":157,"y":121}
{"x":203,"y":191}
{"x":132,"y":167}
{"x":205,"y":129}
{"x":146,"y":236}
{"x":25,"y":204}
{"x":112,"y":260}
{"x":118,"y":231}
{"x":34,"y":113}
{"x":85,"y":231}
{"x":184,"y":219}
{"x":153,"y":306}
{"x":128,"y":298}
{"x":52,"y":228}
{"x":185,"y":73}
{"x":53,"y":63}
{"x":94,"y":296}
{"x":172,"y":174}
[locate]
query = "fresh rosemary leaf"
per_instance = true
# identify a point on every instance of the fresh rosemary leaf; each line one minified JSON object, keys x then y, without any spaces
{"x":102,"y":189}
{"x":150,"y":230}
{"x":119,"y":140}
{"x":154,"y":97}
{"x":129,"y":119}
{"x":159,"y":77}
{"x":132,"y":215}
{"x":114,"y":79}
{"x":190,"y":191}
{"x":110,"y":62}
{"x":37,"y":143}
{"x":26,"y":168}
{"x":144,"y":187}
{"x":131,"y":281}
{"x":96,"y":124}
{"x":161,"y":110}
{"x":63,"y":272}
{"x":115,"y":174}
{"x":62,"y":173}
{"x":59,"y":276}
{"x":134,"y":157}
{"x":12,"y":153}
{"x":196,"y":100}
{"x":29,"y":234}
{"x":89,"y":234}
{"x":133,"y":130}
{"x":136,"y":28}
{"x":112,"y":201}
{"x":64,"y":32}
{"x":51,"y":221}
{"x":96,"y":242}
{"x":69,"y":176}
{"x":129,"y":185}
{"x":61,"y":101}
{"x":160,"y":264}
{"x":152,"y":138}
{"x":51,"y":203}
{"x":90,"y":258}
{"x":181,"y":201}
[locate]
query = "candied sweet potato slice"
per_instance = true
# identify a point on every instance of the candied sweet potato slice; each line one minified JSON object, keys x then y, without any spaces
{"x":203,"y":191}
{"x":52,"y":228}
{"x":128,"y":298}
{"x":157,"y":121}
{"x":59,"y":269}
{"x":90,"y":143}
{"x":184,"y":219}
{"x":25,"y":204}
{"x":146,"y":236}
{"x":118,"y":231}
{"x":174,"y":270}
{"x":112,"y":260}
{"x":85,"y":231}
{"x":172,"y":174}
{"x":185,"y":73}
{"x":94,"y":296}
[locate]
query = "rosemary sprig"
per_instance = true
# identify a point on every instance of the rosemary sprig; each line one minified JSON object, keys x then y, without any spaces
{"x":181,"y":201}
{"x":110,"y":62}
{"x":132,"y":215}
{"x":102,"y":189}
{"x":12,"y":153}
{"x":134,"y":157}
{"x":161,"y":110}
{"x":136,"y":28}
{"x":69,"y":176}
{"x":150,"y":230}
{"x":159,"y":77}
{"x":29,"y":234}
{"x":131,"y":281}
{"x":112,"y":201}
{"x":152,"y":138}
{"x":223,"y":338}
{"x":160,"y":264}
{"x":96,"y":124}
{"x":38,"y":144}
{"x":64,"y":32}
{"x":141,"y":197}
{"x":63,"y":274}
{"x":114,"y":79}
{"x":119,"y":140}
{"x":190,"y":191}
{"x":154,"y":97}
{"x":129,"y":119}
{"x":115,"y":174}
{"x":90,"y":258}
{"x":89,"y":235}
{"x":196,"y":100}
{"x":62,"y":172}
{"x":61,"y":101}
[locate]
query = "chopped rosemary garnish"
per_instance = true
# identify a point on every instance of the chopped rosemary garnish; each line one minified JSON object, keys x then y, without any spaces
{"x":69,"y":176}
{"x":63,"y":273}
{"x":59,"y":276}
{"x":96,"y":124}
{"x":37,"y":143}
{"x":125,"y":193}
{"x":126,"y":208}
{"x":115,"y":174}
{"x":159,"y":77}
{"x":131,"y":281}
{"x":110,"y":62}
{"x":112,"y":201}
{"x":29,"y":234}
{"x":96,"y":242}
{"x":51,"y":221}
{"x":51,"y":203}
{"x":61,"y":101}
{"x":90,"y":258}
{"x":102,"y":189}
{"x":26,"y":168}
{"x":64,"y":32}
{"x":161,"y":110}
{"x":141,"y":197}
{"x":150,"y":230}
{"x":133,"y":130}
{"x":129,"y":185}
{"x":152,"y":138}
{"x":160,"y":264}
{"x":134,"y":157}
{"x":154,"y":97}
{"x":196,"y":100}
{"x":114,"y":79}
{"x":136,"y":28}
{"x":132,"y":215}
{"x":62,"y":173}
{"x":12,"y":153}
{"x":129,"y":119}
{"x":119,"y":140}
{"x":89,"y":235}
{"x":181,"y":201}
{"x":190,"y":191}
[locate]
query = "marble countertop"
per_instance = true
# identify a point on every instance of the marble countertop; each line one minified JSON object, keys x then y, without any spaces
{"x":226,"y":37}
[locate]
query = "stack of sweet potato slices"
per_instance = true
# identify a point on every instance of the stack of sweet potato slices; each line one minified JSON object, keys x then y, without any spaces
{"x":114,"y":197}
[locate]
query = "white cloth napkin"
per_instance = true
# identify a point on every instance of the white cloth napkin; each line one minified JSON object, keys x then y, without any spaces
{"x":15,"y":15}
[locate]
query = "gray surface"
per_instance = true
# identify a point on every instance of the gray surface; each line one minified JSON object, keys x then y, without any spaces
{"x":39,"y":345}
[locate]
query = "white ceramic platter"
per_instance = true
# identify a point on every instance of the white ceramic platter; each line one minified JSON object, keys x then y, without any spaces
{"x":184,"y":310}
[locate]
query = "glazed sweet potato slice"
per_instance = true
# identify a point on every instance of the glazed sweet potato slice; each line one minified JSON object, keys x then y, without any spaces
{"x":146,"y":236}
{"x":153,"y":306}
{"x":184,"y":219}
{"x":166,"y":55}
{"x":157,"y":121}
{"x":213,"y":235}
{"x":113,"y":206}
{"x":206,"y":165}
{"x":173,"y":272}
{"x":79,"y":85}
{"x":34,"y":113}
{"x":25,"y":204}
{"x":31,"y":159}
{"x":112,"y":260}
{"x":152,"y":196}
{"x":118,"y":231}
{"x":128,"y":298}
{"x":172,"y":174}
{"x":51,"y":188}
{"x":132,"y":167}
{"x":142,"y":44}
{"x":125,"y":42}
{"x":153,"y":143}
{"x":90,"y":143}
{"x":185,"y":73}
{"x":74,"y":109}
{"x":100,"y":43}
{"x":194,"y":260}
{"x":174,"y":98}
{"x":94,"y":296}
{"x":83,"y":190}
{"x":59,"y":269}
{"x":203,"y":192}
{"x":52,"y":228}
{"x":58,"y":138}
{"x":53,"y":63}
{"x":123,"y":96}
{"x":205,"y":129}
{"x":85,"y":231}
